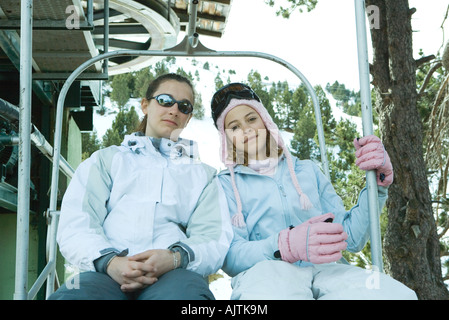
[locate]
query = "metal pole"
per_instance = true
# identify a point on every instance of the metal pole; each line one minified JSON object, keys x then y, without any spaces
{"x":90,"y":13}
{"x":193,"y":13}
{"x":23,"y":205}
{"x":367,"y":122}
{"x":106,"y":35}
{"x":191,"y":28}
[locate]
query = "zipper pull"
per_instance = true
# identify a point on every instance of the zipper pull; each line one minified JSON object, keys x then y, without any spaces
{"x":282,"y":190}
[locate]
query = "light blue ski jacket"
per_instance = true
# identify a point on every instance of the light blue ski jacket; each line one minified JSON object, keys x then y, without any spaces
{"x":271,"y":204}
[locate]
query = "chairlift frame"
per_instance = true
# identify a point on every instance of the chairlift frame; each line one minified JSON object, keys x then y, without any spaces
{"x":190,"y":46}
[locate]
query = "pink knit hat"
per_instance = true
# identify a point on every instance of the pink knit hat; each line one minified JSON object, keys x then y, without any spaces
{"x":238,"y":219}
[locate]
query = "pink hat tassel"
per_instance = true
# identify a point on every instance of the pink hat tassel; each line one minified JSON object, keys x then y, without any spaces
{"x":303,"y":198}
{"x":237,"y":219}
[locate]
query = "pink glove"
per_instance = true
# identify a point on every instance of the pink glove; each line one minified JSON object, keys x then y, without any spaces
{"x":371,"y":155}
{"x":313,"y":241}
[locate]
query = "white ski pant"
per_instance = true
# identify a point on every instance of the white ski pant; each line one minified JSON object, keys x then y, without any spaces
{"x":279,"y":280}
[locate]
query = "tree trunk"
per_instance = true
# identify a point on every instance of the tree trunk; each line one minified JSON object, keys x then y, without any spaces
{"x":411,"y":244}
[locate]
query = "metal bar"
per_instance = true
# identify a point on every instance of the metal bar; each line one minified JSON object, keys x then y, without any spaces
{"x":49,"y":270}
{"x":42,"y":144}
{"x":64,"y":75}
{"x":23,"y":205}
{"x":53,"y":217}
{"x":51,"y":246}
{"x":106,"y":35}
{"x":41,"y":279}
{"x":191,"y":29}
{"x":62,"y":54}
{"x":227,"y":2}
{"x":90,"y":13}
{"x":126,"y":44}
{"x":9,"y":140}
{"x":44,"y":25}
{"x":367,"y":122}
{"x":122,"y":28}
{"x":8,"y":196}
{"x":11,"y":113}
{"x":192,"y":18}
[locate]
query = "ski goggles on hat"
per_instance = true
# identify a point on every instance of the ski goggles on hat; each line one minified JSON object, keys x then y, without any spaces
{"x":166,"y":100}
{"x":223,"y":96}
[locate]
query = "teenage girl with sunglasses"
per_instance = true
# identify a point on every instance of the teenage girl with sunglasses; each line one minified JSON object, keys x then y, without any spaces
{"x":290,"y":226}
{"x":146,"y":220}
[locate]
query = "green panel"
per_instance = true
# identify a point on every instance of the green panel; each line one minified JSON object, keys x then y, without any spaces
{"x":8,"y":253}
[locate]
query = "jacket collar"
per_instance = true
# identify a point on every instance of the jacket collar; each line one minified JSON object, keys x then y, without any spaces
{"x":141,"y":144}
{"x":241,"y":169}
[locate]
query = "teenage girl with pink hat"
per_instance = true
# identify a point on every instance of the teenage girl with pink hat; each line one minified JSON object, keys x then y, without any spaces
{"x":290,"y":226}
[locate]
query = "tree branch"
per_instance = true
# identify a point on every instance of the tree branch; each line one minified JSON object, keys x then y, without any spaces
{"x":442,"y":27}
{"x":428,"y":77}
{"x":423,"y":60}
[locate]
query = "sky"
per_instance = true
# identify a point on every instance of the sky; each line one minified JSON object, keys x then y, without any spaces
{"x":322,"y":43}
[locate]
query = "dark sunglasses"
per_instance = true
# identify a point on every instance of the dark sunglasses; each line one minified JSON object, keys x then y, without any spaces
{"x":222,"y":97}
{"x":166,"y":100}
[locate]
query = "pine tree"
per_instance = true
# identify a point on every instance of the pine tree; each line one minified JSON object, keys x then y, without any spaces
{"x":125,"y":123}
{"x":90,"y":143}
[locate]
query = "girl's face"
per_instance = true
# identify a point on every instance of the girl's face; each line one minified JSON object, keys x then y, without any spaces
{"x":245,"y":128}
{"x":167,"y":122}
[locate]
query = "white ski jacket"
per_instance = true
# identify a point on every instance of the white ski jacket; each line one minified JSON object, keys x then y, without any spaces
{"x":145,"y":194}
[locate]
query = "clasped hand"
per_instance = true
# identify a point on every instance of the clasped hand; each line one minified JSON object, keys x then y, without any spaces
{"x":141,"y":270}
